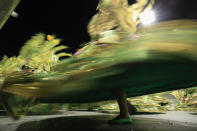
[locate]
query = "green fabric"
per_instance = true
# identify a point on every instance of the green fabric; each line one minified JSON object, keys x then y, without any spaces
{"x":159,"y":59}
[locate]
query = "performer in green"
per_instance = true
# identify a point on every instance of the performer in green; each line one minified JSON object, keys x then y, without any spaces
{"x":115,"y":22}
{"x":121,"y":60}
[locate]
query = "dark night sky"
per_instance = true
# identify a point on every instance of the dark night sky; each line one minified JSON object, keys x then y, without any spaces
{"x":68,"y":20}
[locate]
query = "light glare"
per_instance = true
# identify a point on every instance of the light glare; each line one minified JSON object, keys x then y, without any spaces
{"x":147,"y":17}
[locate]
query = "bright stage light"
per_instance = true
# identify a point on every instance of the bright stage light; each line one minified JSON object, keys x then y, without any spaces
{"x":147,"y":17}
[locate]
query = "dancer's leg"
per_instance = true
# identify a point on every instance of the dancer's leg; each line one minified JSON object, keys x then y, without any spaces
{"x":124,"y":116}
{"x":121,"y":98}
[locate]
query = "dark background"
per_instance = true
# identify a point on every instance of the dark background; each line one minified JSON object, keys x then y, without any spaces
{"x":68,"y":20}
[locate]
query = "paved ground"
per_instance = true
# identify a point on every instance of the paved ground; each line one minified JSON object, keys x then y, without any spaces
{"x":94,"y":121}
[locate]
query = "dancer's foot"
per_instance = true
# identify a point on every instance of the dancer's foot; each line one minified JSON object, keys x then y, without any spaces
{"x":121,"y":120}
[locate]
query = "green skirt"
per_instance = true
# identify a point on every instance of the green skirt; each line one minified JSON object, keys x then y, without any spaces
{"x":155,"y":59}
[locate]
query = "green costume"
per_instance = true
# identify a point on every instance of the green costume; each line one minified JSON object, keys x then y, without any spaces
{"x":155,"y":59}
